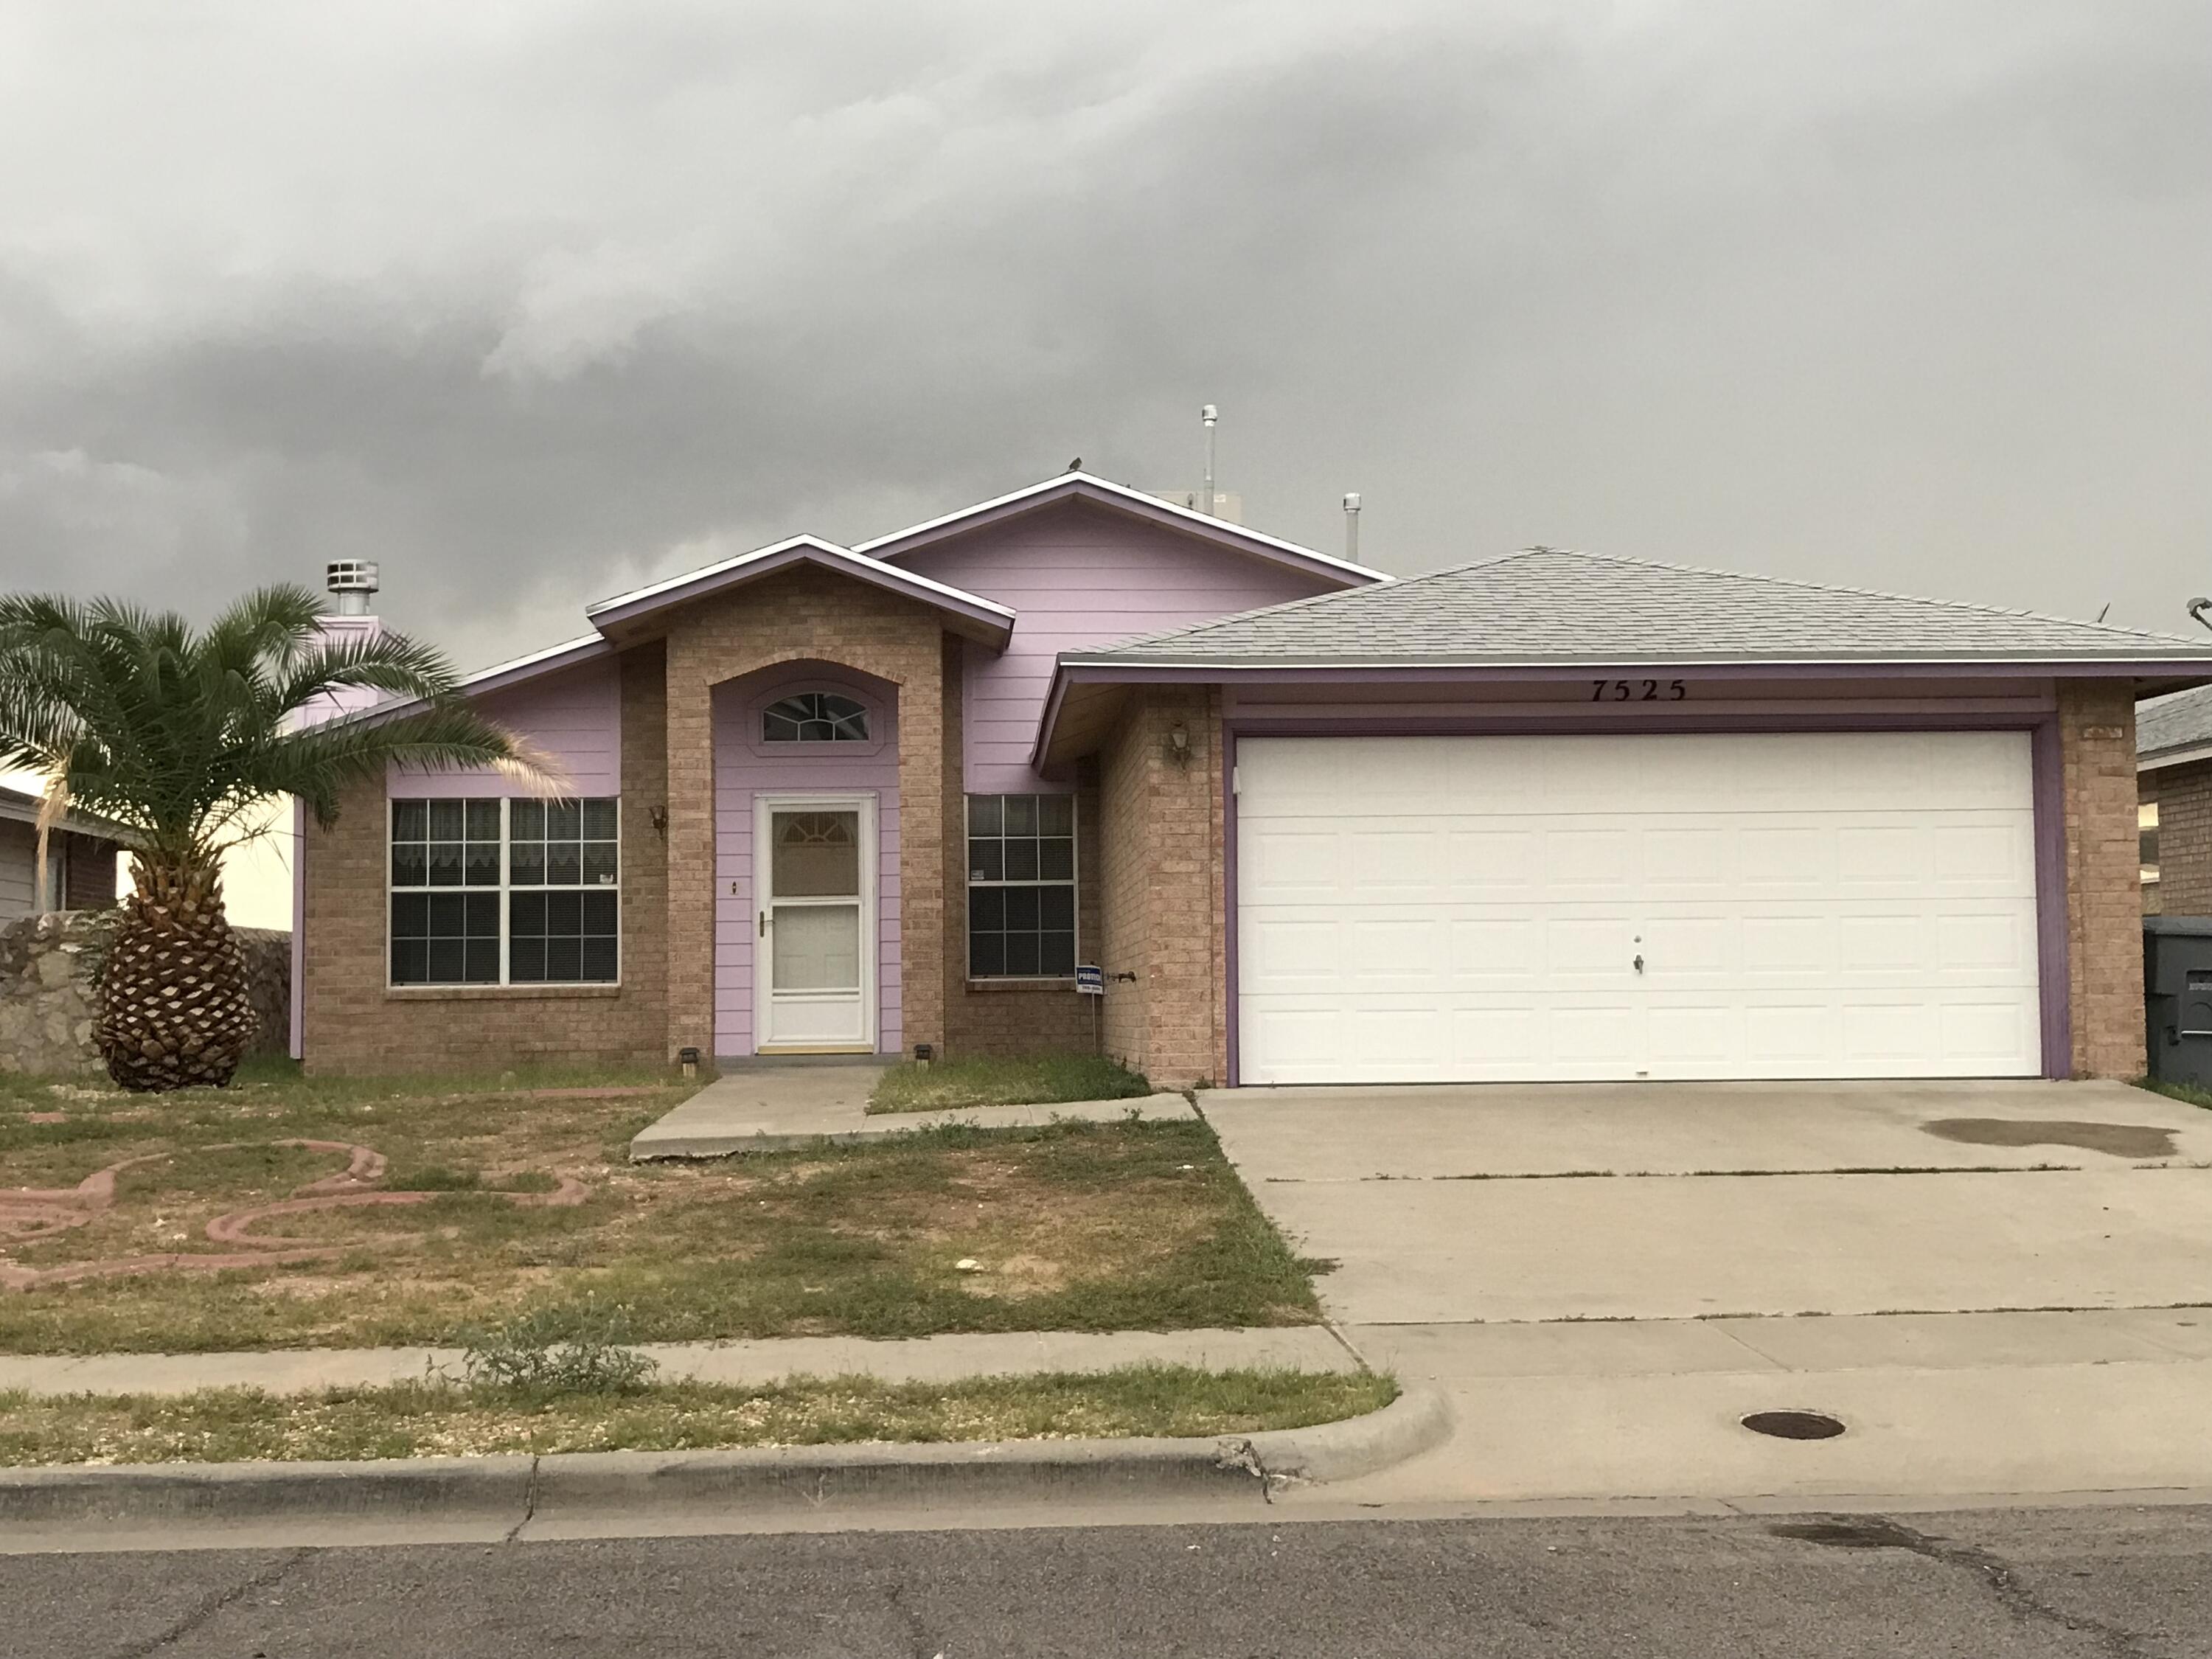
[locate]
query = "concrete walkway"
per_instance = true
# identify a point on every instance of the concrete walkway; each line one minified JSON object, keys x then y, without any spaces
{"x":765,"y":1108}
{"x":920,"y":1359}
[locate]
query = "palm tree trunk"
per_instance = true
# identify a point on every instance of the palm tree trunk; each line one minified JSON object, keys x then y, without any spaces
{"x":174,"y":1009}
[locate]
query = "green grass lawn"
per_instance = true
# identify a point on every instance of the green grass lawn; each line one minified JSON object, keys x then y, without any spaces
{"x":1041,"y":1080}
{"x":1070,"y":1227}
{"x":436,"y":1418}
{"x":2186,"y":1092}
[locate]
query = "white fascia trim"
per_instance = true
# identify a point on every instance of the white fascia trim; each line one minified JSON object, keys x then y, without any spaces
{"x":1200,"y":520}
{"x":2183,"y":756}
{"x":552,"y":658}
{"x":1381,"y":664}
{"x":812,"y":543}
{"x":585,"y":646}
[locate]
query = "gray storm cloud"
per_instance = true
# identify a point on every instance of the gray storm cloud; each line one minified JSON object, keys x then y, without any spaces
{"x":532,"y":301}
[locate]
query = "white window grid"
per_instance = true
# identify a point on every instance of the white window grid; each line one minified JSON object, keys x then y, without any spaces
{"x":506,"y":888}
{"x":1074,"y":882}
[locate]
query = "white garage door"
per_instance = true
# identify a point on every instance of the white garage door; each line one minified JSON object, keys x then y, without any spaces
{"x":1460,"y":909}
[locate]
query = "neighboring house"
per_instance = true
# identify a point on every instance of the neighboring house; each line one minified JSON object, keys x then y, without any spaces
{"x":1548,"y":815}
{"x":80,"y":859}
{"x":2173,"y":772}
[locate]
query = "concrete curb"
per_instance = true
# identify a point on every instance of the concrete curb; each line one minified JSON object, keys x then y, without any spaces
{"x":572,"y":1485}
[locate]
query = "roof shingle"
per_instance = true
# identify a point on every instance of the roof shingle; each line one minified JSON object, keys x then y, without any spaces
{"x":1547,"y":605}
{"x":2172,"y":725}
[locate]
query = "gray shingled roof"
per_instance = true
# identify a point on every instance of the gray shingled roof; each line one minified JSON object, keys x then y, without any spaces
{"x":1549,"y":606}
{"x":2166,"y":725}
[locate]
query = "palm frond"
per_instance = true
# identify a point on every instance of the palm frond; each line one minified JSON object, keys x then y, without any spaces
{"x":178,"y":734}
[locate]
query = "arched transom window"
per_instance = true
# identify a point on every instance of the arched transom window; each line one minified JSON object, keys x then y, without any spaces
{"x":814,"y":717}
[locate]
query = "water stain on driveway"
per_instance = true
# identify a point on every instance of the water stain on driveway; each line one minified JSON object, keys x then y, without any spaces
{"x":2119,"y":1139}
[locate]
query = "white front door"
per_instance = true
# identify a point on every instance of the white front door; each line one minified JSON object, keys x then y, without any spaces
{"x":814,"y":860}
{"x":1535,"y":908}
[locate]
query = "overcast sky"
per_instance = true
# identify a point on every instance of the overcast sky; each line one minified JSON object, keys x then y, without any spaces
{"x":533,"y":301}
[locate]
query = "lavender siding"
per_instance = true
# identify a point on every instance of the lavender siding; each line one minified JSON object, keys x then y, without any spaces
{"x":744,"y":767}
{"x":575,"y":716}
{"x":1077,"y":577}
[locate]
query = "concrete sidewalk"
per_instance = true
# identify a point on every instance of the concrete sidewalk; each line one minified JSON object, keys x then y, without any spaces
{"x":919,"y":1360}
{"x":1955,"y":1406}
{"x":766,"y":1108}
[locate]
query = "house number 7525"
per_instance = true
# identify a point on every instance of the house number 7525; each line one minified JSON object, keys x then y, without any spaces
{"x":1638,"y":691}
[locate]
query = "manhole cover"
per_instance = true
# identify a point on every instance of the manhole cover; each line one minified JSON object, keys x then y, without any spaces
{"x":1795,"y":1425}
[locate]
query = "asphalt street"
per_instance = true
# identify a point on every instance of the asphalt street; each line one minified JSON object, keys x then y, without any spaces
{"x":2103,"y":1582}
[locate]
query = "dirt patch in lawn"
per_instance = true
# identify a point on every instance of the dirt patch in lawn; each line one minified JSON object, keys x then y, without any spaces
{"x":506,"y":1201}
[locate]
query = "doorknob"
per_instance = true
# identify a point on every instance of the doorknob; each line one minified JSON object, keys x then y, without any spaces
{"x":1639,"y":964}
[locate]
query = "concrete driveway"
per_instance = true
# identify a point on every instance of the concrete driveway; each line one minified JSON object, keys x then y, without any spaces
{"x":1658,"y":1201}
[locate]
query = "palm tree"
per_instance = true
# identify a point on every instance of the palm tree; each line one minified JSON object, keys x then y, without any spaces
{"x":180,"y":737}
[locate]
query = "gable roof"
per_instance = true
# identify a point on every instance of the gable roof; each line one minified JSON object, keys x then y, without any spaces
{"x":1551,"y":607}
{"x":978,"y":617}
{"x":2171,"y":730}
{"x":1119,"y":498}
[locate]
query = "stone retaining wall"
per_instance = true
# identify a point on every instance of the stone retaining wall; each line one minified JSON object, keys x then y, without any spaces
{"x":49,"y":970}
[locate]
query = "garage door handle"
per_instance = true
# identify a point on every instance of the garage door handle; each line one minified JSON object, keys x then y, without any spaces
{"x":1639,"y":964}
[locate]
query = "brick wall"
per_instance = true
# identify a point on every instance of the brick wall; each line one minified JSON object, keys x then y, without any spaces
{"x":797,"y":615}
{"x":1161,"y":893}
{"x":2184,"y":794}
{"x":2104,"y":901}
{"x":356,"y":1022}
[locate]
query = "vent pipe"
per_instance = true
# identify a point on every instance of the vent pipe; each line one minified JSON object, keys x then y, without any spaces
{"x":1352,"y":526}
{"x":354,"y":581}
{"x":1209,"y":415}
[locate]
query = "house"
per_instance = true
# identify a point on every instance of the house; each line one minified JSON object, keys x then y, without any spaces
{"x":1546,"y":816}
{"x":2173,"y":772}
{"x":80,"y":859}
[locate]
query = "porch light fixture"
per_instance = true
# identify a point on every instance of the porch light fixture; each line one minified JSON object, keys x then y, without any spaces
{"x":659,"y":815}
{"x":1179,"y":745}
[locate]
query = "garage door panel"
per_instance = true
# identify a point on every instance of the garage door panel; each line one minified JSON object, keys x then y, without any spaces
{"x":1391,"y":862}
{"x":1581,"y":863}
{"x":1277,"y":864}
{"x":1857,"y":904}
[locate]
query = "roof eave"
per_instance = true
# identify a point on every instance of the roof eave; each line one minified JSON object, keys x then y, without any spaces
{"x":975,"y":615}
{"x":2195,"y":671}
{"x":1089,"y":486}
{"x":2183,"y":754}
{"x":1097,"y":669}
{"x":74,"y":823}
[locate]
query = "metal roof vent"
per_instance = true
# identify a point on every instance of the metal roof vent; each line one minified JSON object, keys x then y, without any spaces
{"x":354,"y":580}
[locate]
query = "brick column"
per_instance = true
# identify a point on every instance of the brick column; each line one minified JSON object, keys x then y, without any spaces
{"x":2104,"y":901}
{"x":1161,"y":891}
{"x":923,"y":789}
{"x":690,"y":932}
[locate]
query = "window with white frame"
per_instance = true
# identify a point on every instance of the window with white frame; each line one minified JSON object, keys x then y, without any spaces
{"x":515,"y":892}
{"x":1021,"y":886}
{"x":815,"y":717}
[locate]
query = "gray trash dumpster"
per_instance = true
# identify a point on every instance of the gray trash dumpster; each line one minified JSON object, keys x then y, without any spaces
{"x":2178,"y":997}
